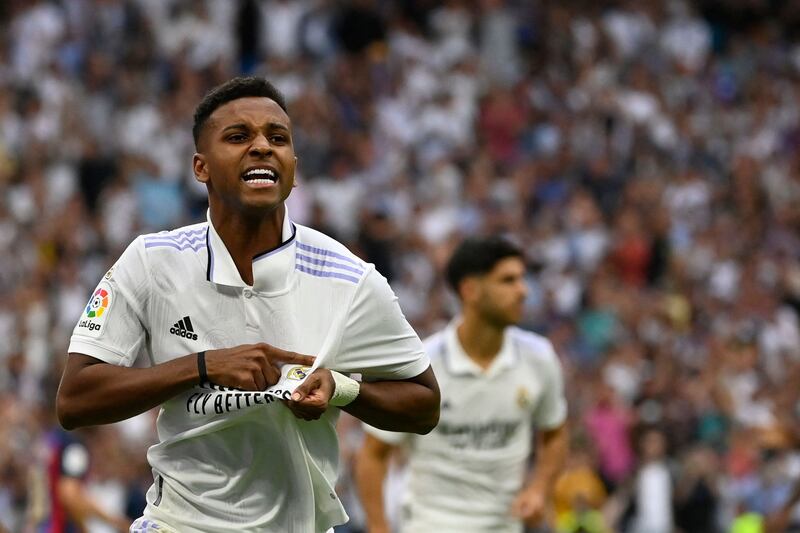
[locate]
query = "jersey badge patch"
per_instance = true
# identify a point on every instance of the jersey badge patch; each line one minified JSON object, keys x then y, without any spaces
{"x":523,"y":397}
{"x":94,"y":316}
{"x":298,"y":372}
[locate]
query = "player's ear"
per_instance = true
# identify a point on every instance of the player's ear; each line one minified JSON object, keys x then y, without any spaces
{"x":200,"y":168}
{"x":294,"y":174}
{"x":469,"y":289}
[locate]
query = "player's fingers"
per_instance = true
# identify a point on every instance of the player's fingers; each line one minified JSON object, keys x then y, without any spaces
{"x":311,"y":383}
{"x":533,"y":519}
{"x":310,"y":414}
{"x":305,"y":412}
{"x":259,"y":381}
{"x":277,"y":354}
{"x":530,"y":513}
{"x":314,"y":401}
{"x":272,"y":374}
{"x":269,"y":373}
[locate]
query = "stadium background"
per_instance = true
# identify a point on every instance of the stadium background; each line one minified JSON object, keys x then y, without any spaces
{"x":644,"y":153}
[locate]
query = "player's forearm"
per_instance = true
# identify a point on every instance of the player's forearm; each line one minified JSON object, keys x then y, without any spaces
{"x":551,"y":455}
{"x":93,"y":392}
{"x":77,"y":503}
{"x":370,"y":474}
{"x":410,"y":406}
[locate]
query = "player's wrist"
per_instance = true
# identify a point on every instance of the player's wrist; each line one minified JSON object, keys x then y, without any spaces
{"x":202,"y":372}
{"x":539,"y":486}
{"x":345,"y":390}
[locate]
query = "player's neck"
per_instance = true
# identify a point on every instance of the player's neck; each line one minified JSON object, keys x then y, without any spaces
{"x":480,"y":339}
{"x":247,"y":236}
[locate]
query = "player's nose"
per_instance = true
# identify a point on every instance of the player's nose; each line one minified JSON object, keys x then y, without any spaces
{"x":522,"y":287}
{"x":260,"y":146}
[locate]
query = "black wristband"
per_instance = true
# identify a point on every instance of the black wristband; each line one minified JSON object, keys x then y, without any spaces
{"x":201,"y":367}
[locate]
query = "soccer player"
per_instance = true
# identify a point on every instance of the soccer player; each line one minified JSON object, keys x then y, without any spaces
{"x":218,"y":311}
{"x":497,"y":383}
{"x":69,"y":506}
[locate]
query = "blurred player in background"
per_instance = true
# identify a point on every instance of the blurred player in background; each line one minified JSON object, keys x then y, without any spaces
{"x":498,"y":383}
{"x":68,"y":505}
{"x":208,"y":305}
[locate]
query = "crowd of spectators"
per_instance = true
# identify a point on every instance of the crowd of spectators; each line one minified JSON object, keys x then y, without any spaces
{"x":644,"y":153}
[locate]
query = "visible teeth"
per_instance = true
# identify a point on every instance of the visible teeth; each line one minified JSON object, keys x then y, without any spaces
{"x":260,"y":172}
{"x":259,"y":180}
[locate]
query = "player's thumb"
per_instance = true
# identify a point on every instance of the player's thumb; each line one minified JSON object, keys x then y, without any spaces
{"x":518,"y":507}
{"x":304,"y":389}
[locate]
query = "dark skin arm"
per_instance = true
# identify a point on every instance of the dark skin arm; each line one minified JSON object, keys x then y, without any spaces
{"x":410,"y":406}
{"x":94,"y":392}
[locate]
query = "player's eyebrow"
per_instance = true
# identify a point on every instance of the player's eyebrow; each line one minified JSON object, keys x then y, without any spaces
{"x":237,"y":126}
{"x":243,"y":126}
{"x":278,"y":126}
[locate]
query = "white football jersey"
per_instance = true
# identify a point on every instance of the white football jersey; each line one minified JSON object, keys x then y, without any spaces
{"x":235,"y":462}
{"x":464,"y":475}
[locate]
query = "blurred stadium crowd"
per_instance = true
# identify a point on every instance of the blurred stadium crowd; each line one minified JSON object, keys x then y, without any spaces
{"x":644,"y":153}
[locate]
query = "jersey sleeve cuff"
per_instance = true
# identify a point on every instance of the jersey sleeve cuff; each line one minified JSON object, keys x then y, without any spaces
{"x":98,"y":351}
{"x":389,"y":437}
{"x":555,"y":421}
{"x":410,"y":370}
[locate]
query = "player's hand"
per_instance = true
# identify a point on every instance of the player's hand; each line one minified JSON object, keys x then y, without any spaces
{"x":529,"y":506}
{"x":252,"y":367}
{"x":310,"y":399}
{"x":122,"y":525}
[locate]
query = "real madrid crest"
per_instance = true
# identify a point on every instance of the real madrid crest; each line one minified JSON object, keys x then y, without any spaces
{"x":298,"y":373}
{"x":523,"y":397}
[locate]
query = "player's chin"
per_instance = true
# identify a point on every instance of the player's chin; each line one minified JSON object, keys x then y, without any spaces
{"x":260,"y":202}
{"x":515,"y":316}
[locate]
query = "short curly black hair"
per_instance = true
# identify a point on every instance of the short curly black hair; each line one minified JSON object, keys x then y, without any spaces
{"x":240,"y":87}
{"x":476,"y":256}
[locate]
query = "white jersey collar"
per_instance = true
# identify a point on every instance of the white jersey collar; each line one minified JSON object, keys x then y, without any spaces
{"x":272,"y":269}
{"x":458,"y":362}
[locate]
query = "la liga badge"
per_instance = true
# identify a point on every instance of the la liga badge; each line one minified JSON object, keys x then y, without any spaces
{"x":96,"y":311}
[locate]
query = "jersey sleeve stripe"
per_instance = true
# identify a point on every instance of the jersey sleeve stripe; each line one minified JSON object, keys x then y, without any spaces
{"x":329,"y":264}
{"x":181,"y":233}
{"x":195,"y":247}
{"x":325,"y":274}
{"x":324,"y":252}
{"x":177,"y":240}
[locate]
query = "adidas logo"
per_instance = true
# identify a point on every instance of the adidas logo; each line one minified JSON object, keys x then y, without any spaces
{"x":183,"y":328}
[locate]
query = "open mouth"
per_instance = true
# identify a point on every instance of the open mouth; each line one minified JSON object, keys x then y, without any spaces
{"x":260,"y":177}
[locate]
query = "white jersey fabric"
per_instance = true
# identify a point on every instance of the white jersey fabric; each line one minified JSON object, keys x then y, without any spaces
{"x":465,"y":474}
{"x":251,"y":466}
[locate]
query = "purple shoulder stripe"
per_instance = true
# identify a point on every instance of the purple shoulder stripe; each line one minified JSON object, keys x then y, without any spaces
{"x":325,"y":274}
{"x":185,"y":246}
{"x":182,"y":232}
{"x":180,"y":240}
{"x":324,"y":263}
{"x":330,"y":253}
{"x":177,"y":240}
